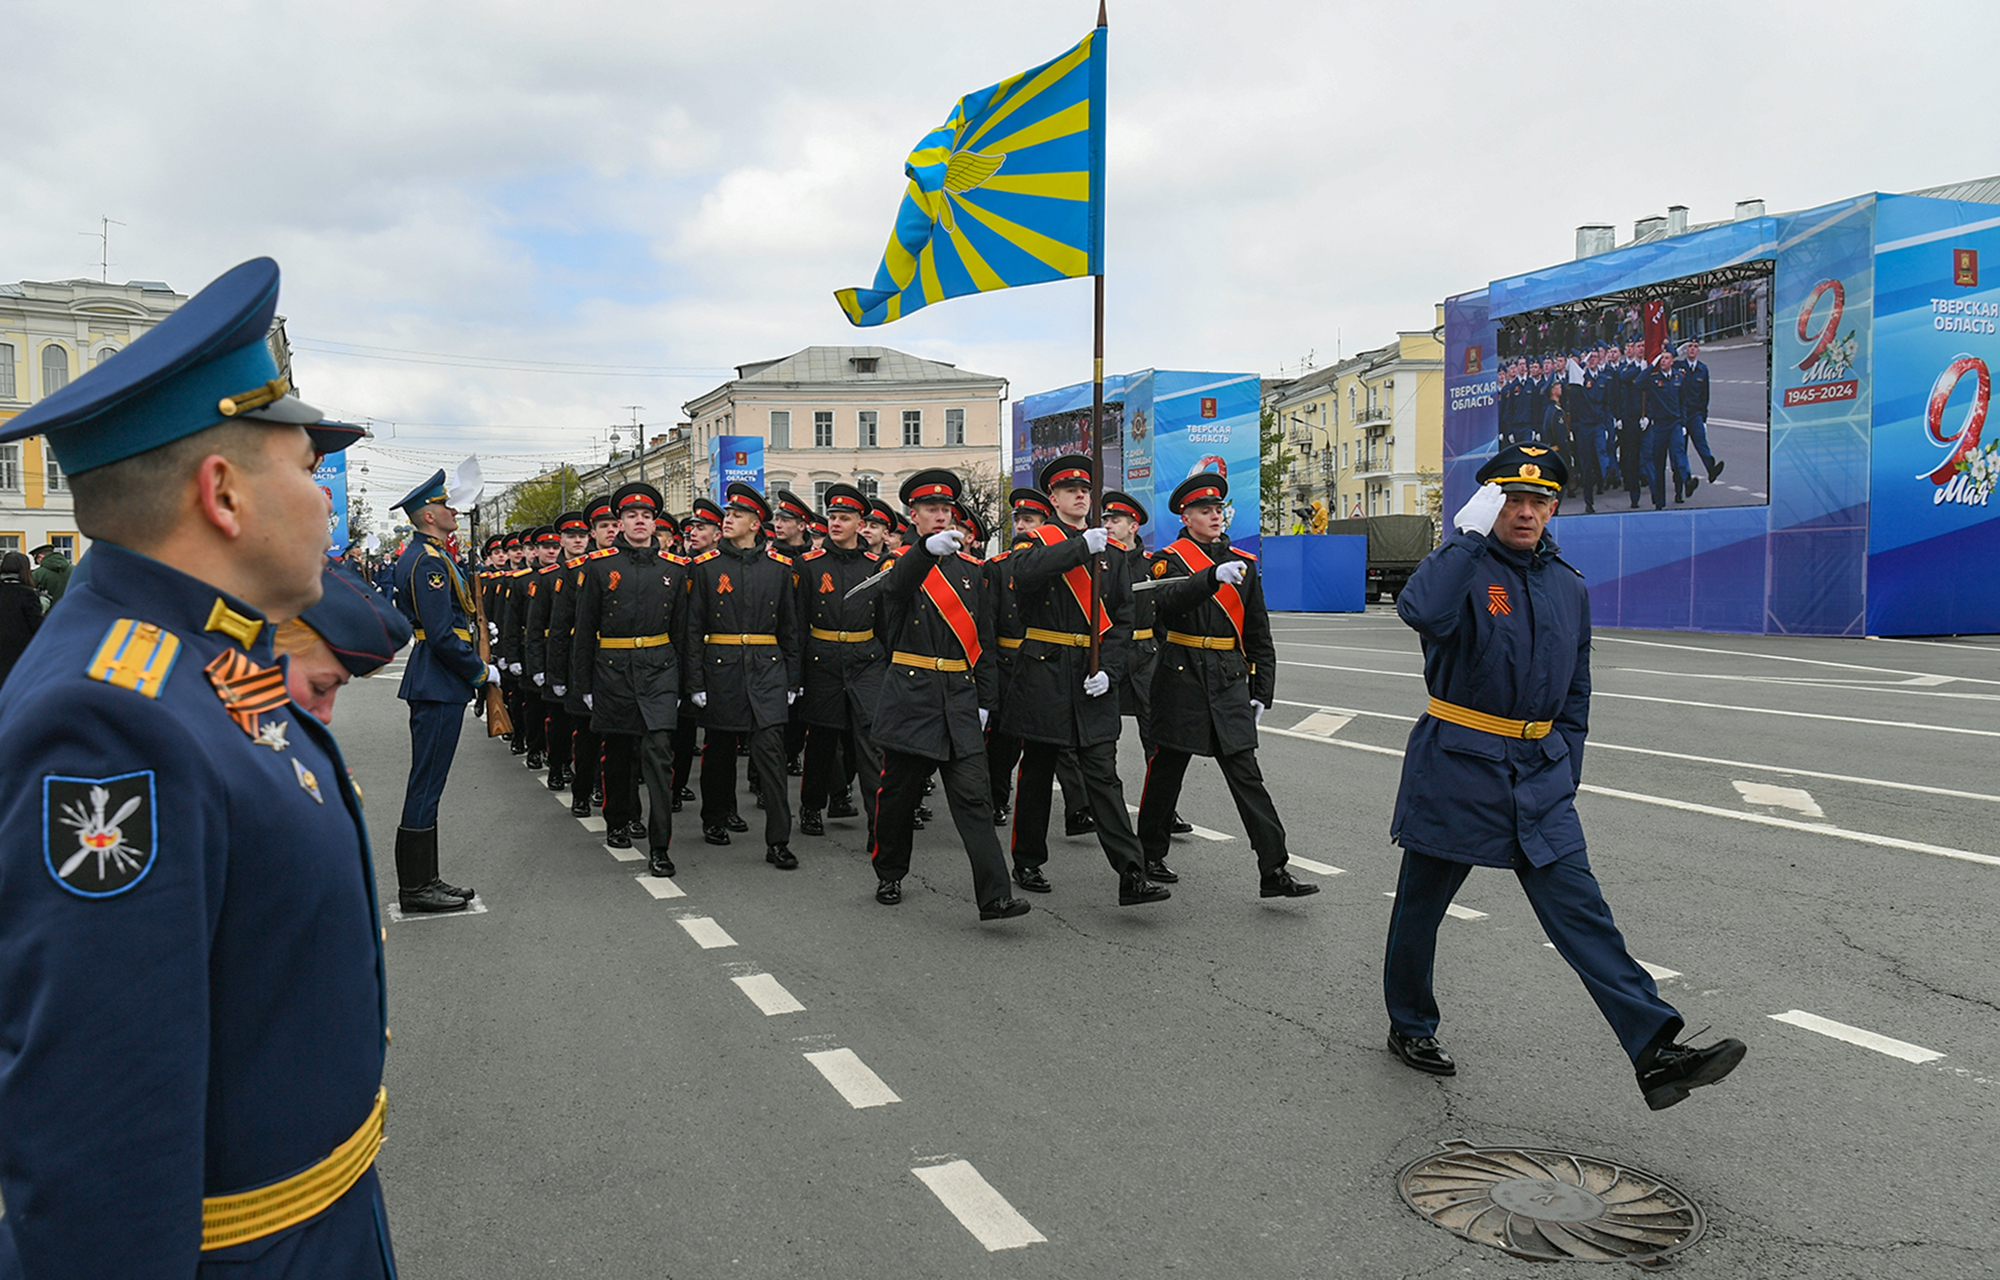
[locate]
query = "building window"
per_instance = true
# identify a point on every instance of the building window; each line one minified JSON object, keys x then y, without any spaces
{"x":102,"y":356}
{"x":10,"y":466}
{"x":822,"y":428}
{"x":55,"y":369}
{"x":53,"y":480}
{"x":819,"y":493}
{"x":913,"y":428}
{"x":6,"y":371}
{"x":781,"y":428}
{"x":11,"y":542}
{"x":864,"y":364}
{"x":954,"y":426}
{"x":868,"y":485}
{"x":865,"y":425}
{"x":65,"y":543}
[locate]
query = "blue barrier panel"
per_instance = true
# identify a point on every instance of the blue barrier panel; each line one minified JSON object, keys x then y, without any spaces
{"x":1315,"y":573}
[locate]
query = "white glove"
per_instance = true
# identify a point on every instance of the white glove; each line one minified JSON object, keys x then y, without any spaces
{"x":589,"y":704}
{"x":1257,"y":709}
{"x":945,"y":543}
{"x":791,"y":696}
{"x":1096,"y":538}
{"x":1480,"y":510}
{"x":700,"y":699}
{"x":492,"y":674}
{"x":983,"y":714}
{"x":539,"y":678}
{"x":561,"y":691}
{"x":1229,"y":571}
{"x":1096,"y":683}
{"x":514,"y":667}
{"x":493,"y":629}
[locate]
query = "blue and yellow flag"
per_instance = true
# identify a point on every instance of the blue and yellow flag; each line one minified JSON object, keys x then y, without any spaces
{"x":1008,"y":191}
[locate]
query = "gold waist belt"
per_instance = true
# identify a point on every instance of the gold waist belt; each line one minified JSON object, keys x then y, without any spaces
{"x":716,"y":637}
{"x":843,"y":637}
{"x":1010,"y":642}
{"x":1059,"y":637}
{"x":1200,"y":642}
{"x":461,"y":632}
{"x":1146,"y":634}
{"x":1479,"y":720}
{"x":930,"y":664}
{"x":633,"y":642}
{"x":252,"y":1215}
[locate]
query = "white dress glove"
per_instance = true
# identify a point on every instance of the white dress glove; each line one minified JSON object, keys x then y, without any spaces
{"x":539,"y":679}
{"x":1480,"y":510}
{"x":514,"y":667}
{"x":1257,"y":710}
{"x":983,"y":715}
{"x":700,"y":699}
{"x":561,"y":691}
{"x":1096,"y":683}
{"x":791,"y":696}
{"x":945,"y":543}
{"x":589,"y":703}
{"x":492,"y":674}
{"x":1095,"y":539}
{"x":1229,"y":571}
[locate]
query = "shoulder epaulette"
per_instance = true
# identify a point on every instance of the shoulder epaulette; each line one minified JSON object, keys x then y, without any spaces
{"x":431,"y":550}
{"x":706,"y":556}
{"x":812,"y":555}
{"x":135,"y":655}
{"x":1002,"y":556}
{"x":518,"y":573}
{"x":781,"y":559}
{"x":600,"y":553}
{"x":670,"y":556}
{"x":966,"y":555}
{"x":576,"y":561}
{"x":900,"y":551}
{"x":547,"y":568}
{"x":872,"y":555}
{"x":1245,"y":554}
{"x":1121,"y":546}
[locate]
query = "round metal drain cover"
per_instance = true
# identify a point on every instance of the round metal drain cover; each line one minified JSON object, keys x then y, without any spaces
{"x":1552,"y":1206}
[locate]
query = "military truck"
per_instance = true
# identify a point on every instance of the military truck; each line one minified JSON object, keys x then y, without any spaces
{"x":1396,"y":545}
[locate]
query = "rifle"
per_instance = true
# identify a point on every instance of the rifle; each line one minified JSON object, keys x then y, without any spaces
{"x":497,"y":720}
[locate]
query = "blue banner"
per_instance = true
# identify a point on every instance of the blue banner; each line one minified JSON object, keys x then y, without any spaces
{"x":331,"y":477}
{"x":734,"y":458}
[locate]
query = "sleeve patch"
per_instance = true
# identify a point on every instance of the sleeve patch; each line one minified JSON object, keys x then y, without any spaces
{"x":135,"y":655}
{"x":99,"y":835}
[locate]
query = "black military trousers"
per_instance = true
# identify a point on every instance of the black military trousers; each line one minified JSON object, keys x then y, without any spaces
{"x":831,"y":756}
{"x":1003,"y":752}
{"x":434,"y":730}
{"x":685,"y":748}
{"x":1631,"y":456}
{"x":767,"y":762}
{"x":621,"y":779}
{"x":1164,"y":774}
{"x":558,"y":735}
{"x":1104,"y":795}
{"x":965,"y":789}
{"x":1566,"y":899}
{"x":795,"y":732}
{"x":586,"y":755}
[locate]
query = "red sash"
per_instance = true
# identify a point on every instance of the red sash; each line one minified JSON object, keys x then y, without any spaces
{"x":953,"y":611}
{"x":1227,"y":596}
{"x":1077,"y":578}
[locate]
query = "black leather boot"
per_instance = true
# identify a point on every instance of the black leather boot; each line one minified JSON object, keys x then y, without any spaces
{"x":417,"y":885}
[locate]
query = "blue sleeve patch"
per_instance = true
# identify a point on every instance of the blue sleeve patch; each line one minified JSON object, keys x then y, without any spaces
{"x":99,"y":835}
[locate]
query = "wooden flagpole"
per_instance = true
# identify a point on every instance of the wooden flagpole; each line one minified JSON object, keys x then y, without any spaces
{"x":1097,"y":432}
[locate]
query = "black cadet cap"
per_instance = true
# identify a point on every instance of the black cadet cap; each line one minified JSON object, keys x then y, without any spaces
{"x":1071,"y":468}
{"x":637,"y":494}
{"x":707,"y":512}
{"x":356,"y":621}
{"x":881,"y":513}
{"x":1526,"y":468}
{"x":845,"y":497}
{"x":744,"y":497}
{"x":1203,"y":486}
{"x":791,"y":504}
{"x":1025,"y":499}
{"x":933,"y":485}
{"x":599,"y":508}
{"x":572,"y":522}
{"x":1122,"y":503}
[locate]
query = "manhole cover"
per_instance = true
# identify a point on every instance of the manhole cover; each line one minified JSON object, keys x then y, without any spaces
{"x":1553,"y":1206}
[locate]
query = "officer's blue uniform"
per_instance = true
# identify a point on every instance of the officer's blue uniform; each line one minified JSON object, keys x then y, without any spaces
{"x":1505,"y":633}
{"x":444,"y":671}
{"x":1694,"y":410}
{"x":1666,"y":437}
{"x":191,"y":975}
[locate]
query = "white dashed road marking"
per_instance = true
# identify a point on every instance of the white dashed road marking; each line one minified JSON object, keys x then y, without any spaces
{"x":593,"y":823}
{"x":845,"y":1071}
{"x":1323,"y":723}
{"x":1317,"y":868}
{"x":1455,"y":911}
{"x":477,"y":907}
{"x":1779,"y":797}
{"x":706,"y":932}
{"x":1659,"y":972}
{"x":658,"y":886}
{"x":624,"y":855}
{"x":1855,"y":1035}
{"x":767,"y":995}
{"x":978,"y":1207}
{"x":1201,"y":832}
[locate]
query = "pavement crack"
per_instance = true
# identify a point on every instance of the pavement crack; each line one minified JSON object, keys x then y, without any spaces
{"x":1900,"y":967}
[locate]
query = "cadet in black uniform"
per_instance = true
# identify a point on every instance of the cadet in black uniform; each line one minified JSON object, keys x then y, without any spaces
{"x":1031,"y":509}
{"x":791,"y":537}
{"x":744,"y":665}
{"x":700,"y":532}
{"x":586,"y":753}
{"x":1056,"y":700}
{"x":531,"y":602}
{"x":1214,"y":680}
{"x":548,"y":645}
{"x":1123,"y":514}
{"x":844,"y":662}
{"x":939,"y":692}
{"x":631,"y":616}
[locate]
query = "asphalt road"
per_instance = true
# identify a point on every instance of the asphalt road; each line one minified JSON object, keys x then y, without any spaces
{"x":579,"y":1085}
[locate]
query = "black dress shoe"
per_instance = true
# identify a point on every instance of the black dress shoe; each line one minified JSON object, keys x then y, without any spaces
{"x":917,"y":820}
{"x":617,"y":839}
{"x":1422,"y":1052}
{"x":659,"y":863}
{"x":534,"y":759}
{"x":685,"y":793}
{"x":930,"y":785}
{"x":1180,"y":826}
{"x":715,"y":835}
{"x":759,"y":797}
{"x":1079,"y":824}
{"x":580,"y":807}
{"x":1003,"y":909}
{"x":1157,"y":869}
{"x":1715,"y":469}
{"x":1134,"y":888}
{"x":924,"y":814}
{"x":735,"y":822}
{"x":781,"y":857}
{"x":677,"y":804}
{"x":1002,"y":815}
{"x":794,"y":769}
{"x":597,"y":794}
{"x":810,"y":824}
{"x":429,"y":900}
{"x":1669,"y":1072}
{"x":842,"y":806}
{"x":1031,"y":879}
{"x":1280,"y":884}
{"x":888,"y":892}
{"x":1692,"y":485}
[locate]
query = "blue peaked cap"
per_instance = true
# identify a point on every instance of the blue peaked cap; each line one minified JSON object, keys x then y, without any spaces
{"x":205,"y":364}
{"x":357,"y":622}
{"x":431,"y":490}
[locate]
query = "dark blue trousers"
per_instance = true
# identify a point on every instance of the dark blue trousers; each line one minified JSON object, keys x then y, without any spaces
{"x":1570,"y":906}
{"x":433,"y":742}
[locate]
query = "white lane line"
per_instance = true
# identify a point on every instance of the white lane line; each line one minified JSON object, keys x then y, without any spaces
{"x":625,"y":855}
{"x":1371,"y":748}
{"x":1317,"y":868}
{"x":593,"y":823}
{"x":766,"y":994}
{"x":706,"y":932}
{"x":658,"y":886}
{"x":1855,"y":1035}
{"x":1779,"y":797}
{"x":1453,"y":910}
{"x":1323,"y":723}
{"x":845,"y":1071}
{"x":1600,"y":638}
{"x":1202,"y":832}
{"x":1814,"y":828}
{"x":978,"y":1207}
{"x":1659,"y":972}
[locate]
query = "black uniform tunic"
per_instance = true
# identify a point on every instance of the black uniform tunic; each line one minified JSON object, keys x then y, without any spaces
{"x":1135,"y":685}
{"x":1201,"y":697}
{"x":738,"y":592}
{"x":1045,"y":702}
{"x":843,"y":676}
{"x":635,"y":593}
{"x":923,"y":711}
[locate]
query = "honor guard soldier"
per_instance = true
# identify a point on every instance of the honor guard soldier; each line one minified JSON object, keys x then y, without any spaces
{"x":587,"y":754}
{"x":1123,"y":514}
{"x":1213,"y":681}
{"x":701,"y":531}
{"x":791,"y":526}
{"x":876,"y":524}
{"x":938,"y":695}
{"x":1491,"y":770}
{"x":353,"y":631}
{"x":513,"y":644}
{"x":631,"y":619}
{"x":744,"y":666}
{"x":191,"y":972}
{"x":544,"y":551}
{"x":549,"y":649}
{"x":498,"y":604}
{"x":1057,"y":701}
{"x":443,"y":674}
{"x":845,"y":659}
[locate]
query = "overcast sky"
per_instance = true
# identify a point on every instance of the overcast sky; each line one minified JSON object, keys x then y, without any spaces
{"x":681,"y":187}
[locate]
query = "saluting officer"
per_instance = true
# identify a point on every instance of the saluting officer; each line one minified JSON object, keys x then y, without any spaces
{"x":548,"y":648}
{"x":845,"y":659}
{"x":1213,"y":682}
{"x":744,"y":667}
{"x":1058,"y":600}
{"x":191,"y":973}
{"x":937,"y":697}
{"x":1491,"y":770}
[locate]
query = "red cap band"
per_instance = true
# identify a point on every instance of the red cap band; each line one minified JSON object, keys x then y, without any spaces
{"x":1126,"y":508}
{"x":930,"y":491}
{"x":1199,"y":494}
{"x":631,"y":498}
{"x":850,"y":504}
{"x":1062,"y":477}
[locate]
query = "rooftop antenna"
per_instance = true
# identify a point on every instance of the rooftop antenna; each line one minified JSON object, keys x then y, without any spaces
{"x":103,"y":237}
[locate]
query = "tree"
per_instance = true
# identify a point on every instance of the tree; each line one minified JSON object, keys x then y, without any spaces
{"x":541,"y":500}
{"x":982,"y":494}
{"x":1271,"y":474}
{"x":359,"y":522}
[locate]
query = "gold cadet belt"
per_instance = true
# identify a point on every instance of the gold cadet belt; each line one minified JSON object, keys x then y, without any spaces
{"x":1010,"y":642}
{"x":715,"y":637}
{"x":929,"y":664}
{"x":461,"y":632}
{"x":633,"y":642}
{"x":1505,"y":728}
{"x":1146,"y":634}
{"x":1059,"y":637}
{"x":843,"y":637}
{"x":1200,"y":642}
{"x":252,"y":1215}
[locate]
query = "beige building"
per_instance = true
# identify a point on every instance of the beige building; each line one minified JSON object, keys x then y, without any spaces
{"x":871,"y":416}
{"x":50,"y":333}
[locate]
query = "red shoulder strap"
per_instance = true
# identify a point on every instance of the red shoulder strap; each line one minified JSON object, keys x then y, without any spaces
{"x":1231,"y":600}
{"x":953,"y":611}
{"x":1077,"y":578}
